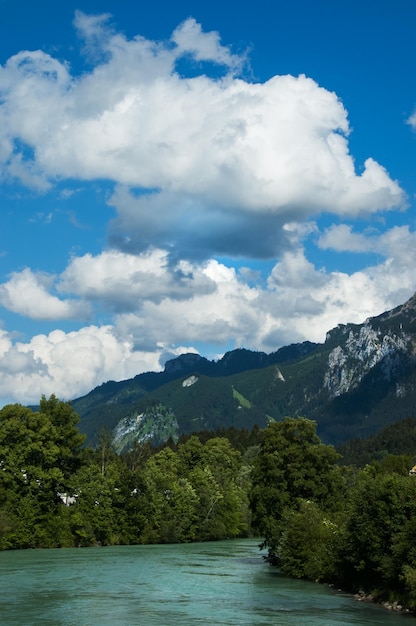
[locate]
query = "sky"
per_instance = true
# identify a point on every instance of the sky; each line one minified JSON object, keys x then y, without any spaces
{"x":197,"y":177}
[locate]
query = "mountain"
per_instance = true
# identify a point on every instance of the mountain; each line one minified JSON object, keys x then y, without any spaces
{"x":112,"y":401}
{"x":361,"y":379}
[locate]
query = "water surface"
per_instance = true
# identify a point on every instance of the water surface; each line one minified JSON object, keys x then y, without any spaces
{"x":221,"y":583}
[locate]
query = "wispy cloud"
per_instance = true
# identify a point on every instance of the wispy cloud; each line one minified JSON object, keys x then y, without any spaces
{"x":40,"y":216}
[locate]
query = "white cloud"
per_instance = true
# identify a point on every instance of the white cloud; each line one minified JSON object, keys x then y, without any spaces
{"x":123,"y":281}
{"x":15,"y":361}
{"x":69,"y":364}
{"x":213,"y":317}
{"x":315,"y":301}
{"x":212,"y":156}
{"x":300,"y":302}
{"x":412,"y":120}
{"x":27,"y":293}
{"x":190,"y":38}
{"x":342,"y":239}
{"x":396,"y":244}
{"x":92,"y":28}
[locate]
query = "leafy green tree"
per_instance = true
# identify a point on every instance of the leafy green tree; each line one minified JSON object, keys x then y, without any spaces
{"x":213,"y":469}
{"x":208,"y":519}
{"x":38,"y":453}
{"x":403,"y":550}
{"x":309,"y":545}
{"x":98,"y":515}
{"x":223,"y":460}
{"x":393,"y":464}
{"x":65,"y":435}
{"x":379,"y":528}
{"x":409,"y":579}
{"x":28,"y":453}
{"x":170,"y":499}
{"x":293,"y":465}
{"x":105,"y":447}
{"x":231,"y":509}
{"x":190,"y":454}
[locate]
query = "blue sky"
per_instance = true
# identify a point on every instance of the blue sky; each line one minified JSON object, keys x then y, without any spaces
{"x":197,"y":177}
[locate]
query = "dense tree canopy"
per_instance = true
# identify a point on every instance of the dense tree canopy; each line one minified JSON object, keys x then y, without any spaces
{"x":196,"y":492}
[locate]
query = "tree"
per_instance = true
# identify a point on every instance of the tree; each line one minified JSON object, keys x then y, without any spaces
{"x":213,"y":469}
{"x":168,"y":501}
{"x":293,"y":465}
{"x":105,"y":447}
{"x":39,"y":451}
{"x":65,"y":435}
{"x":309,"y":544}
{"x":231,"y":510}
{"x":28,"y":451}
{"x":95,"y":516}
{"x":379,"y":531}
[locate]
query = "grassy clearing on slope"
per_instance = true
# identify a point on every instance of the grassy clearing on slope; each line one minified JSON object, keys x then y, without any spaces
{"x":241,"y":399}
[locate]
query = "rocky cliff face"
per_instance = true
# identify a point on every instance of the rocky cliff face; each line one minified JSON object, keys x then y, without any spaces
{"x":365,"y":347}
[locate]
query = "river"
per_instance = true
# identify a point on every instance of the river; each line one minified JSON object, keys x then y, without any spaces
{"x":217,"y":583}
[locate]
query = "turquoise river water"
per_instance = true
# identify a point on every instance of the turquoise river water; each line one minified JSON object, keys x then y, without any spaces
{"x":217,"y":583}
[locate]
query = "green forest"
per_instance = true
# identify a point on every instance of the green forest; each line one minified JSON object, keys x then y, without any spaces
{"x":319,"y":519}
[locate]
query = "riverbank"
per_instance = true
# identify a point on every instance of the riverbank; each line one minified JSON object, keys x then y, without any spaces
{"x":395,"y":606}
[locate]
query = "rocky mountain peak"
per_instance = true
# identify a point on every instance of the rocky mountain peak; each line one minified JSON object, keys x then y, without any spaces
{"x":183,"y":363}
{"x":362,"y":347}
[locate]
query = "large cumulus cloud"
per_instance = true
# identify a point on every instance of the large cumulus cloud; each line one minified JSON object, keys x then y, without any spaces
{"x":208,"y":164}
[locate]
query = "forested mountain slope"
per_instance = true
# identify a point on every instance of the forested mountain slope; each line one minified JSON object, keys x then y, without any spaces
{"x":361,"y":379}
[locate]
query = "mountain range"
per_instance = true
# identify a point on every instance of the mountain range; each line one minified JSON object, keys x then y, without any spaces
{"x":361,"y":379}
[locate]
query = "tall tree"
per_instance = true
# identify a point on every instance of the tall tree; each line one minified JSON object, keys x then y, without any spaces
{"x":293,"y":465}
{"x":38,"y":452}
{"x":66,"y":435}
{"x":379,"y":530}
